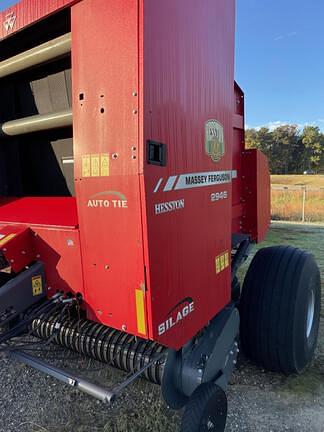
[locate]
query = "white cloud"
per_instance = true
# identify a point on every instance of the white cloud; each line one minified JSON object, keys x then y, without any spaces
{"x":284,"y":36}
{"x":271,"y":125}
{"x":275,"y":124}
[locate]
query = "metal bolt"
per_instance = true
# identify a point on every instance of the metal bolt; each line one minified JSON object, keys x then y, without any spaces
{"x":107,"y":267}
{"x":37,"y":256}
{"x":133,"y":157}
{"x":133,"y":148}
{"x":135,"y":111}
{"x":134,"y":93}
{"x":124,"y":327}
{"x":115,"y":155}
{"x":23,"y":252}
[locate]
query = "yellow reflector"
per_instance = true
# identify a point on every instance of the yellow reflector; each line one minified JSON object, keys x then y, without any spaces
{"x":140,"y":311}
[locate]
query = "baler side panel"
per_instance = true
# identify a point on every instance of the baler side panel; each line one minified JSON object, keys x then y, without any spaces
{"x":105,"y":109}
{"x":238,"y":149}
{"x":27,"y":12}
{"x":59,"y":249}
{"x":256,"y":186}
{"x":188,"y":79}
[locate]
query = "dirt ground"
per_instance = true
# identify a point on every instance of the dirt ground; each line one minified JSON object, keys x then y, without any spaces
{"x":258,"y":401}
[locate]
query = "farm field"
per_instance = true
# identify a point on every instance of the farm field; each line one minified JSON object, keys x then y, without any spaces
{"x":258,"y":401}
{"x":315,"y":181}
{"x":289,"y":201}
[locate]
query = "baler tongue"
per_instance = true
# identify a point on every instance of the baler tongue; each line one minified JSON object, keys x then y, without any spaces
{"x":17,"y":249}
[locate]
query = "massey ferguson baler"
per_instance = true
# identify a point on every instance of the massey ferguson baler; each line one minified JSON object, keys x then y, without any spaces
{"x":129,"y":202}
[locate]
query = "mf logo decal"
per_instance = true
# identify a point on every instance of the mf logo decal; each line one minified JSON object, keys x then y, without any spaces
{"x":108,"y":199}
{"x":180,"y":311}
{"x":10,"y":21}
{"x":214,"y":140}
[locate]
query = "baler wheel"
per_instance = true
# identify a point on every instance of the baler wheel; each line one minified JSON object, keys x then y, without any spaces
{"x":206,"y":410}
{"x":280,"y":309}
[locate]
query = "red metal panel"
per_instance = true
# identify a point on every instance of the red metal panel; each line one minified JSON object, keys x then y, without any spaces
{"x":56,"y":211}
{"x":187,"y":77}
{"x":27,"y":12}
{"x":105,"y":107}
{"x":238,"y":149}
{"x":17,"y":246}
{"x":59,"y":249}
{"x":256,"y":187}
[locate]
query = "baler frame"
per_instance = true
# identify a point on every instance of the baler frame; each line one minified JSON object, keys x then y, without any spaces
{"x":131,"y":257}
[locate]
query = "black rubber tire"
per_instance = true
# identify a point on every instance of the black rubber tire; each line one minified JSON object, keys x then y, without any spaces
{"x":207,"y":403}
{"x":274,"y":308}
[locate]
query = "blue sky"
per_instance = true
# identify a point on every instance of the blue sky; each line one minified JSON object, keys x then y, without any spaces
{"x":279,"y":60}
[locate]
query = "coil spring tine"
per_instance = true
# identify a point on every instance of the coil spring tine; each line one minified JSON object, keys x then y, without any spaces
{"x":78,"y":339}
{"x":159,"y":366}
{"x":114,"y":348}
{"x":100,"y":345}
{"x":71,"y":333}
{"x":90,"y":338}
{"x":140,"y":354}
{"x":133,"y":356}
{"x":125,"y":353}
{"x":95,"y":340}
{"x":107,"y":344}
{"x":128,"y":361}
{"x":150,"y":372}
{"x":85,"y":334}
{"x":122,"y":347}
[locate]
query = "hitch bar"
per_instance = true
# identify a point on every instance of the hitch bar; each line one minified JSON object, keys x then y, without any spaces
{"x":105,"y":395}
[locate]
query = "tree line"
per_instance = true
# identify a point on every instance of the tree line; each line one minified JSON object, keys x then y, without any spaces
{"x":289,"y":149}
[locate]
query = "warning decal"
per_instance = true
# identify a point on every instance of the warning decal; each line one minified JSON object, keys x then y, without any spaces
{"x":95,"y":165}
{"x":37,"y":285}
{"x":222,"y":262}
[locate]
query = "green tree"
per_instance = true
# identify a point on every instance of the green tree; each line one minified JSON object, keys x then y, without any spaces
{"x":313,"y":141}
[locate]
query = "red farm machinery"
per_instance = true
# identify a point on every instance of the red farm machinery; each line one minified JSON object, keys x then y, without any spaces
{"x":128,"y":202}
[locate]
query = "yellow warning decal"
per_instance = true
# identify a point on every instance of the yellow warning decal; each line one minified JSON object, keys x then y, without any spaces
{"x":37,"y":285}
{"x":140,"y":312}
{"x":95,"y":165}
{"x":104,"y":165}
{"x":6,"y":239}
{"x":222,"y":262}
{"x":86,"y":166}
